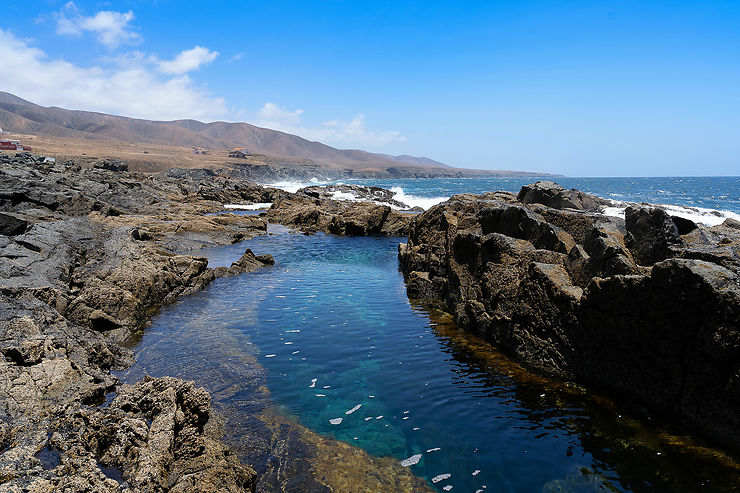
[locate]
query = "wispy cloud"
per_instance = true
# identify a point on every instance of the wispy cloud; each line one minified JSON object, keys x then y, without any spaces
{"x":135,"y":88}
{"x":236,"y":57}
{"x":336,"y":132}
{"x":188,"y":60}
{"x":111,"y":28}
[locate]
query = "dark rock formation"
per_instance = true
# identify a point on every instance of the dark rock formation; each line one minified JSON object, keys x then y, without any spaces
{"x":362,"y":193}
{"x":633,"y":307}
{"x":87,"y":255}
{"x":112,"y":165}
{"x":651,"y":233}
{"x":84,"y":261}
{"x":349,"y":218}
{"x":553,"y":195}
{"x":11,"y":225}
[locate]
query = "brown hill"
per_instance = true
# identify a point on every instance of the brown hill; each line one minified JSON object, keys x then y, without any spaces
{"x":23,"y":117}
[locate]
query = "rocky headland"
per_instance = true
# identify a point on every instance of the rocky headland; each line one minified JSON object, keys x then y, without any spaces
{"x":645,"y":307}
{"x":87,"y":255}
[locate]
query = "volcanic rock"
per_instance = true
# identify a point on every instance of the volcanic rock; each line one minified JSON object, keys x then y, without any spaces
{"x":632,"y":307}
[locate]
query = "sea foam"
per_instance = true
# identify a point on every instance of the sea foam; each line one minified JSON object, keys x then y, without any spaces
{"x":294,"y":186}
{"x":248,"y":207}
{"x":708,"y":217}
{"x":414,"y":200}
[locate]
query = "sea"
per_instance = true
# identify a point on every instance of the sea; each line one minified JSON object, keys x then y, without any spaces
{"x":344,"y":353}
{"x":705,"y":199}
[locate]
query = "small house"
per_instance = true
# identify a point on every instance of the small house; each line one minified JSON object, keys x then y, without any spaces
{"x":239,"y":152}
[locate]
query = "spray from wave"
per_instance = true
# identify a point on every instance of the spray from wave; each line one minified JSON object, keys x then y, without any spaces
{"x":708,"y":217}
{"x":294,"y":186}
{"x":414,"y":200}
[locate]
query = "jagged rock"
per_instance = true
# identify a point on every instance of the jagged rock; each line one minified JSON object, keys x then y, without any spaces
{"x":247,"y":263}
{"x":102,"y":250}
{"x":338,"y":217}
{"x":561,"y":291}
{"x":87,"y":263}
{"x":11,"y":225}
{"x":354,"y":192}
{"x":651,"y":233}
{"x":553,"y":195}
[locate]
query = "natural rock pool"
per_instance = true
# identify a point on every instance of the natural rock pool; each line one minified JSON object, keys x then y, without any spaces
{"x":330,"y":332}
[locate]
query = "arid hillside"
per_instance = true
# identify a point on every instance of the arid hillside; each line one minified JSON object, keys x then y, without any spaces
{"x":155,"y":145}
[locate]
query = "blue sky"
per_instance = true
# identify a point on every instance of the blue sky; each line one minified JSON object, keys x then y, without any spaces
{"x":616,"y":88}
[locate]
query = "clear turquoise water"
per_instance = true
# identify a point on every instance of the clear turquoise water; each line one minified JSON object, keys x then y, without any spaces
{"x":334,"y":309}
{"x":709,"y":192}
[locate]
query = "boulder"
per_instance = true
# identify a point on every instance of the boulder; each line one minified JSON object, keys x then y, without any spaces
{"x":113,"y":164}
{"x":651,"y":234}
{"x":553,"y":195}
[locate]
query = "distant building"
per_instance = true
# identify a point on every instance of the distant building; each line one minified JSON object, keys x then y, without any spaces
{"x":199,"y":150}
{"x":239,"y":152}
{"x":13,"y":145}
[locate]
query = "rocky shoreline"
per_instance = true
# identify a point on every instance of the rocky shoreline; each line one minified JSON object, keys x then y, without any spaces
{"x":87,"y":255}
{"x":646,"y":307}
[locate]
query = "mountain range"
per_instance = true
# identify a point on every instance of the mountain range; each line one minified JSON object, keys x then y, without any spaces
{"x":21,"y":116}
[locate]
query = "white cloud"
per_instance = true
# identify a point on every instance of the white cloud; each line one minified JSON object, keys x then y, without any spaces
{"x":271,"y":112}
{"x":188,"y":60}
{"x":333,"y":132}
{"x":133,"y":88}
{"x":112,"y":28}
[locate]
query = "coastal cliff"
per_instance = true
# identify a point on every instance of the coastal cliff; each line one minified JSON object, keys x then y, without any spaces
{"x":646,"y":307}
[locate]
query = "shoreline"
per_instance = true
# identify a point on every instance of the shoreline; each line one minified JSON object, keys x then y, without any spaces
{"x":645,"y":307}
{"x":89,"y":254}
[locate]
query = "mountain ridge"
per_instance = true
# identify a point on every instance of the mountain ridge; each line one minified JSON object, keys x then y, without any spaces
{"x":23,"y":116}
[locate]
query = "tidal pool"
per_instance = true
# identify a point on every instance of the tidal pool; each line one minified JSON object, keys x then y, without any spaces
{"x":331,"y":333}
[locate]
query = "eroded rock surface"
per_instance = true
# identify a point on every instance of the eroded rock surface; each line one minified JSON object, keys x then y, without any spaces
{"x":85,"y":259}
{"x":87,"y":255}
{"x":312,"y":210}
{"x":631,"y":306}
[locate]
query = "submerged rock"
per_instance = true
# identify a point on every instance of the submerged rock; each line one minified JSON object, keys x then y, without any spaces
{"x":631,"y":306}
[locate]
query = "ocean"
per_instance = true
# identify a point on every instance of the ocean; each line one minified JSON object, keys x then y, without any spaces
{"x":344,"y":353}
{"x":704,"y":199}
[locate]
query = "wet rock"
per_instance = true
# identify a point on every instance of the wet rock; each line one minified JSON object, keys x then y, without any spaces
{"x":354,"y":192}
{"x":248,"y":262}
{"x":684,"y":226}
{"x":633,"y":307}
{"x":154,"y":436}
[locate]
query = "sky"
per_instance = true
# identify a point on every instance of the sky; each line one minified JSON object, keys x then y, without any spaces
{"x":599,"y":88}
